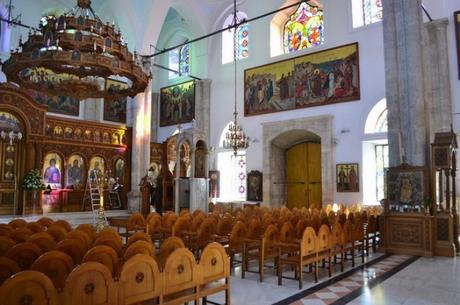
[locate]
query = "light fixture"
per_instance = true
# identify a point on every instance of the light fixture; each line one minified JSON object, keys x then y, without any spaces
{"x":74,"y":54}
{"x":11,"y":136}
{"x":235,"y":138}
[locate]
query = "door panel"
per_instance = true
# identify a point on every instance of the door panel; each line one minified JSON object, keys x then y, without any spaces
{"x":303,"y":175}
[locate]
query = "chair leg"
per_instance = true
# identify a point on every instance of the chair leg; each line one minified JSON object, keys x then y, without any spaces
{"x":330,"y":266}
{"x":352,"y":256}
{"x":316,"y":272}
{"x":261,"y":269}
{"x":243,"y":265}
{"x":279,"y":272}
{"x":300,"y":276}
{"x":341,"y":262}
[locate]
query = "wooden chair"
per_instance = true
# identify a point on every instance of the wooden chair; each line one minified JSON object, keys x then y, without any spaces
{"x":324,"y":246}
{"x":20,"y":235}
{"x":136,"y":222}
{"x":215,"y":269}
{"x":56,"y":265}
{"x":8,"y":267}
{"x":300,"y":228}
{"x":36,"y":227}
{"x":81,"y":236}
{"x":224,"y":228}
{"x":24,"y":254}
{"x":139,"y":247}
{"x":204,"y":236}
{"x":236,"y":240}
{"x":167,"y":224}
{"x":140,"y":280}
{"x":28,"y":287}
{"x":58,"y":232}
{"x":46,"y":222}
{"x":18,"y":223}
{"x":181,"y":278}
{"x":6,"y":244}
{"x":90,"y":283}
{"x":43,"y":240}
{"x":357,"y":236}
{"x":153,"y":214}
{"x":181,"y":226}
{"x":114,"y":243}
{"x":167,"y":247}
{"x":88,"y":229}
{"x":307,"y":255}
{"x":255,"y":229}
{"x":73,"y":248}
{"x":372,"y":233}
{"x":138,"y":236}
{"x":154,"y":226}
{"x":346,"y":242}
{"x":336,"y":245}
{"x":5,"y":230}
{"x":261,"y":250}
{"x":109,"y":233}
{"x":64,"y":224}
{"x":104,"y":255}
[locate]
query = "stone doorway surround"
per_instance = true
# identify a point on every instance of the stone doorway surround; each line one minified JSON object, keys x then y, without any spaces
{"x":281,"y":135}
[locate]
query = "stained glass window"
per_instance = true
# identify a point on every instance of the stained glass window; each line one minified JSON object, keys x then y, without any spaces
{"x":366,"y":12}
{"x":242,"y":39}
{"x":184,"y":63}
{"x":304,"y":29}
{"x":173,"y":63}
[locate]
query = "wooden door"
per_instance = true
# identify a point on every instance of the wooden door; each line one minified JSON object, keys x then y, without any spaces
{"x":9,"y":175}
{"x":303,"y":175}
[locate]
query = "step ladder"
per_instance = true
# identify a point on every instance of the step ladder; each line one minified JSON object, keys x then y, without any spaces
{"x":93,"y":195}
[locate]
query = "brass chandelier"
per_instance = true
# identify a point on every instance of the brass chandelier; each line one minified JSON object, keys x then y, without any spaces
{"x":235,"y":138}
{"x":74,"y":54}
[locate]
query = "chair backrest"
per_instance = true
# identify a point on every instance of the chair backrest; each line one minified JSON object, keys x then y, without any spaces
{"x":24,"y":254}
{"x":196,"y":222}
{"x":109,"y":233}
{"x":214,"y":263}
{"x":136,"y":222}
{"x":89,"y":229}
{"x":81,"y":236}
{"x":140,"y":280}
{"x":20,"y":235}
{"x":180,"y":272}
{"x":287,"y":233}
{"x":238,"y":234}
{"x":73,"y":248}
{"x":300,"y":227}
{"x":58,"y":232}
{"x":358,"y":230}
{"x":153,"y":223}
{"x":139,"y":236}
{"x":114,"y":243}
{"x":205,"y":232}
{"x":336,"y":234}
{"x":271,"y":237}
{"x":181,"y":225}
{"x":308,"y":242}
{"x":104,"y":255}
{"x":8,"y":267}
{"x":64,"y":223}
{"x":5,"y":230}
{"x":347,"y":232}
{"x":36,"y":227}
{"x":56,"y":265}
{"x":323,"y":237}
{"x":167,"y":247}
{"x":139,"y":247}
{"x":224,"y":227}
{"x":46,"y":222}
{"x":255,"y":230}
{"x":44,"y":240}
{"x":6,"y":244}
{"x":90,"y":283}
{"x":372,"y":224}
{"x":28,"y":287}
{"x":18,"y":223}
{"x":168,"y":220}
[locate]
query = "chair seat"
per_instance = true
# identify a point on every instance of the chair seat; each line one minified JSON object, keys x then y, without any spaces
{"x":213,"y":287}
{"x":180,"y":297}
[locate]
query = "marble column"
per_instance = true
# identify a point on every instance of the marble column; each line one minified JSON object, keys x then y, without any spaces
{"x":404,"y":71}
{"x":203,"y":107}
{"x":155,"y":116}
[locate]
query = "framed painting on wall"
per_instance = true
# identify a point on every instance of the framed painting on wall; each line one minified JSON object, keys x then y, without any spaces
{"x":347,"y":177}
{"x":52,"y":171}
{"x":457,"y":36}
{"x":406,"y":188}
{"x":115,"y":109}
{"x":316,"y":79}
{"x":66,"y":105}
{"x":177,"y":104}
{"x":214,"y":184}
{"x":254,"y":186}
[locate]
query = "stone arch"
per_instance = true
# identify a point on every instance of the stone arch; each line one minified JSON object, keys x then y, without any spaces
{"x":281,"y":135}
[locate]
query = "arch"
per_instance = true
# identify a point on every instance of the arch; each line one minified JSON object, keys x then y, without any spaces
{"x":242,"y":39}
{"x":279,"y":22}
{"x":365,"y":12}
{"x":376,"y":121}
{"x":223,"y":135}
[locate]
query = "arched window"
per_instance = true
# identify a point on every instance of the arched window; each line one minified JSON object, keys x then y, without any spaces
{"x":366,"y":12}
{"x":242,"y":39}
{"x":376,"y":121}
{"x":304,"y":28}
{"x":179,"y":60}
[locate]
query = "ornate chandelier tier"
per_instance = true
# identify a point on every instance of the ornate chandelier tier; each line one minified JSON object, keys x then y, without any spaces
{"x":74,"y":54}
{"x":235,"y":138}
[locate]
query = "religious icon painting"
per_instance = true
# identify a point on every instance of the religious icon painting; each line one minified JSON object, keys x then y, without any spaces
{"x":75,"y":172}
{"x":119,"y":170}
{"x":254,"y":186}
{"x":347,"y":177}
{"x":52,"y":170}
{"x":115,"y":108}
{"x":177,"y":104}
{"x":96,"y":167}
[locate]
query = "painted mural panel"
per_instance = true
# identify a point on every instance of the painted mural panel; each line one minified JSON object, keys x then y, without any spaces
{"x":177,"y":104}
{"x":66,"y":105}
{"x":316,"y":79}
{"x":115,"y":109}
{"x":52,"y":171}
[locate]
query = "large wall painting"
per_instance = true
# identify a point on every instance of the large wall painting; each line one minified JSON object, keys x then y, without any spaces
{"x":316,"y":79}
{"x":115,"y":109}
{"x":66,"y":105}
{"x":177,"y":104}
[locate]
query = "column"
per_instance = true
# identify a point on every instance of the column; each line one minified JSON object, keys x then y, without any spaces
{"x":407,"y":132}
{"x":176,"y":180}
{"x":203,"y":106}
{"x":155,"y":116}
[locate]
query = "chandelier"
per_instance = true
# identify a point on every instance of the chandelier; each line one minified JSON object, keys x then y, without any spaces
{"x":235,"y":138}
{"x":11,"y":136}
{"x":74,"y":54}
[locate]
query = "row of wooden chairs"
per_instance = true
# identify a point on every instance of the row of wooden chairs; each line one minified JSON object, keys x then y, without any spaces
{"x":181,"y":280}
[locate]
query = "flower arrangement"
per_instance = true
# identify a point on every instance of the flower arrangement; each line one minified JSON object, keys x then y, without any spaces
{"x":33,"y":181}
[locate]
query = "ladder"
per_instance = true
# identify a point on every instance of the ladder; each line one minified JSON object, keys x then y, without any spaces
{"x":92,"y":194}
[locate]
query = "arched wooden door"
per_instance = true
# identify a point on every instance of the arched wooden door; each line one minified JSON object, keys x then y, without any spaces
{"x":303,"y":175}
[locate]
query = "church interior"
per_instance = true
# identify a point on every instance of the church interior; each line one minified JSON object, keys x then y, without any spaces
{"x":229,"y":152}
